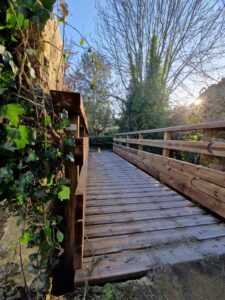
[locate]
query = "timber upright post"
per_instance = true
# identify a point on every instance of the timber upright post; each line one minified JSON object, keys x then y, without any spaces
{"x":127,"y":144}
{"x":74,"y":209}
{"x":140,"y":137}
{"x":167,"y":136}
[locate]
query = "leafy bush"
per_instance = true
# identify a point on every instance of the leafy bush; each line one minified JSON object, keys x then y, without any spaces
{"x":103,"y":142}
{"x":32,"y":177}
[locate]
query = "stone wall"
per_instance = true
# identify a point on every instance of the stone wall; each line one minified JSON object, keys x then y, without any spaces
{"x":52,"y":68}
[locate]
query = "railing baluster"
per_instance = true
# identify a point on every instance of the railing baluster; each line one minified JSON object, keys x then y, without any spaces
{"x":127,"y":144}
{"x":167,"y":136}
{"x":140,"y":137}
{"x":203,"y":185}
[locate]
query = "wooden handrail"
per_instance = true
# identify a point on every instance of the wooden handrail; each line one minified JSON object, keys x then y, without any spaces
{"x":209,"y":148}
{"x":72,"y":102}
{"x":203,"y":185}
{"x":76,"y":172}
{"x":193,"y":127}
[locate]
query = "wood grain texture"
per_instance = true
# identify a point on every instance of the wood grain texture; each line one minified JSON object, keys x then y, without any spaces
{"x":72,"y":102}
{"x":209,"y":148}
{"x":135,"y":223}
{"x":209,"y":190}
{"x":192,"y":127}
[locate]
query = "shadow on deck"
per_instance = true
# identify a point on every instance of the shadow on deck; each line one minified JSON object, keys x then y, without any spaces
{"x":134,"y":223}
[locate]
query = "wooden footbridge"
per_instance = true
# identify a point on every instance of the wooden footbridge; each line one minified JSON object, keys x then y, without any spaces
{"x":132,"y":210}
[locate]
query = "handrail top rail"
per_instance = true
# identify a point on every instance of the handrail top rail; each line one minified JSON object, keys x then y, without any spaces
{"x":72,"y":102}
{"x":200,"y":126}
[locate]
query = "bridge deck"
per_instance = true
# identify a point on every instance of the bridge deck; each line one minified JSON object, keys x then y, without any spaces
{"x":134,"y":223}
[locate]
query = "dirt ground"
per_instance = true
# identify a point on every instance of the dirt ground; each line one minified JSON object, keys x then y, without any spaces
{"x":201,"y":280}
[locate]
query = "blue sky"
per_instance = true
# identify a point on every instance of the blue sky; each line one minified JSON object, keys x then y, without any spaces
{"x":82,"y":16}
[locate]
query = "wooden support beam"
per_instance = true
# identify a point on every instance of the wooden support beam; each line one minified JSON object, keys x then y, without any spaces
{"x":141,"y":136}
{"x":192,"y":127}
{"x":209,"y":148}
{"x":167,"y":136}
{"x":203,"y":185}
{"x":72,"y":173}
{"x":127,"y":144}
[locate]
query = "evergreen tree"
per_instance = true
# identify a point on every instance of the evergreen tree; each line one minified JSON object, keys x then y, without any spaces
{"x":147,"y":101}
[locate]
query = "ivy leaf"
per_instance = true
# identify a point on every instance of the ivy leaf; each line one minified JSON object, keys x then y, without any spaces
{"x":70,"y":157}
{"x":2,"y":49}
{"x":51,"y":180}
{"x":20,"y":199}
{"x":7,"y":56}
{"x":13,"y":67}
{"x":48,"y":231}
{"x":64,"y":194}
{"x":69,"y":141}
{"x":10,"y":19}
{"x":26,"y":237}
{"x":6,"y":174}
{"x":12,"y":112}
{"x":20,"y":21}
{"x":2,"y":90}
{"x":8,"y":146}
{"x":26,"y":24}
{"x":32,"y":156}
{"x":48,"y":4}
{"x":31,"y":70}
{"x":59,"y":236}
{"x":26,"y":137}
{"x":81,"y":42}
{"x":47,"y":120}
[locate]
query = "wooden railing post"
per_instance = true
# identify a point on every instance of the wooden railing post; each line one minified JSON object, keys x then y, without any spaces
{"x":76,"y":172}
{"x":72,"y":173}
{"x":212,"y":136}
{"x":127,"y":144}
{"x":141,"y":136}
{"x":204,"y":185}
{"x":167,"y":136}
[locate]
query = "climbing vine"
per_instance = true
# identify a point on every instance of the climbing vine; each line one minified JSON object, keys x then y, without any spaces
{"x":32,"y":135}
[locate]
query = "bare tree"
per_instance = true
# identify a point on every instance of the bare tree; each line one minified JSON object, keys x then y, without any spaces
{"x":190,"y":37}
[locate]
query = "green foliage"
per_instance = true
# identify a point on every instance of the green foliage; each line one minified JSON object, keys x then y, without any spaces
{"x":64,"y":193}
{"x":32,"y":179}
{"x":107,"y":292}
{"x":59,"y":236}
{"x":26,"y":237}
{"x":12,"y":112}
{"x":82,"y":42}
{"x":102,"y":142}
{"x":91,"y":79}
{"x":147,"y":101}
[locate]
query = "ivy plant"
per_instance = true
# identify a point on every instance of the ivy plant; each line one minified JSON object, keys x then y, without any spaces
{"x":32,"y":135}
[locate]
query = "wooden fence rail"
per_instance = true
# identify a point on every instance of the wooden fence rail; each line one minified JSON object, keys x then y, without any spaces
{"x":76,"y":171}
{"x":203,"y":185}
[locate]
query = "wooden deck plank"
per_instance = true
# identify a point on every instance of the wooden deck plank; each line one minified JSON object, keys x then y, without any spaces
{"x":135,"y":223}
{"x":141,"y":215}
{"x":134,"y":200}
{"x":136,"y":207}
{"x":151,"y":193}
{"x":130,"y":264}
{"x":106,"y":245}
{"x":147,"y":225}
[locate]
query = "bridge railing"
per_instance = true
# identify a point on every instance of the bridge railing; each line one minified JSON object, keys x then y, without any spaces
{"x":76,"y":172}
{"x":202,"y":184}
